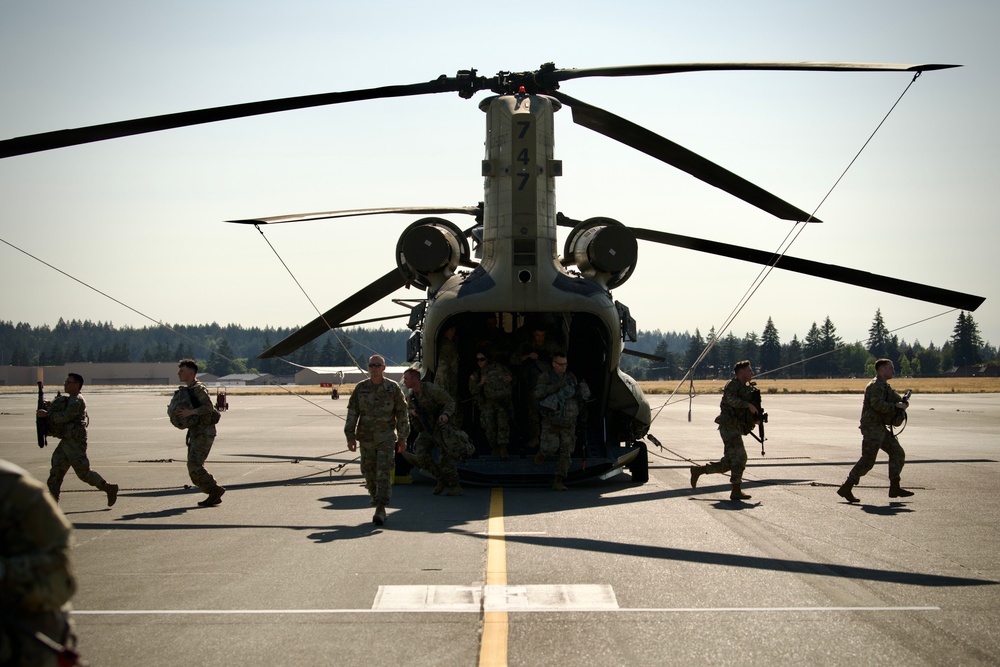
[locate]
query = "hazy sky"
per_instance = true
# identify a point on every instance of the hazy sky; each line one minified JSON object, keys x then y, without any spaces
{"x":141,"y":218}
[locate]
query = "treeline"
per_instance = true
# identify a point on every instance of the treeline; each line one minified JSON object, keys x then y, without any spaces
{"x":820,"y":353}
{"x":234,"y":349}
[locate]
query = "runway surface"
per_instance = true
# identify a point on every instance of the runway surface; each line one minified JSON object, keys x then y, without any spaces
{"x":290,"y":570}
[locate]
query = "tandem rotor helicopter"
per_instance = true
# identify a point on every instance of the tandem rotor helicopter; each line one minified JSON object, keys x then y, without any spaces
{"x":508,"y":265}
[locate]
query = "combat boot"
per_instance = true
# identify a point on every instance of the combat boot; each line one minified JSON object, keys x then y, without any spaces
{"x":112,"y":491}
{"x":454,"y":490}
{"x":696,"y":472}
{"x":896,"y":491}
{"x":557,"y":484}
{"x":737,"y":494}
{"x":379,"y":517}
{"x":439,"y":487}
{"x":214,"y":497}
{"x":539,"y":458}
{"x":845,"y":492}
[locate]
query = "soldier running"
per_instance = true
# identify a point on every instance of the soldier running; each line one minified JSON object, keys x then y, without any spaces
{"x":68,"y":420}
{"x":735,"y":421}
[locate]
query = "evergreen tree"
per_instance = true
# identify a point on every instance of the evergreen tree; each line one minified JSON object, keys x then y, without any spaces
{"x":712,"y":363}
{"x":793,"y":358}
{"x":878,"y":337}
{"x":751,"y":348}
{"x":966,"y":341}
{"x":829,"y":342}
{"x":695,"y":346}
{"x":221,"y":361}
{"x":813,"y":347}
{"x":770,"y":347}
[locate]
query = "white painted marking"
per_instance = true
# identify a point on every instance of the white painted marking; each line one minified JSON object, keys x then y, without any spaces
{"x":564,"y":597}
{"x":436,"y":598}
{"x":638,"y":610}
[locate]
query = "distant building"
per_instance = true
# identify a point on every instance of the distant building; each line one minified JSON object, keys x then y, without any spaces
{"x":93,"y":373}
{"x":338,"y":375}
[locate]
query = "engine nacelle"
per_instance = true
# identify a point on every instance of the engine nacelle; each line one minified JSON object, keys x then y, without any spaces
{"x":603,"y":249}
{"x":429,"y":251}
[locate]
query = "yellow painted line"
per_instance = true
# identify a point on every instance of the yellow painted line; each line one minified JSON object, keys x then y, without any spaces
{"x":493,"y":650}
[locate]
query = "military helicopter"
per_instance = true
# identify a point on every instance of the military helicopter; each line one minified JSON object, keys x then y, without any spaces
{"x":512,"y":272}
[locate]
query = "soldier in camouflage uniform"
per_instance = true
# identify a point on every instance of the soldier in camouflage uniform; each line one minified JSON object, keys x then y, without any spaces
{"x":67,"y":420}
{"x":532,"y":358}
{"x":376,"y":416}
{"x":446,"y":375}
{"x":201,"y":435}
{"x":431,"y":407}
{"x":735,"y":421}
{"x":560,"y":397}
{"x":36,"y":579}
{"x":490,"y":386}
{"x":881,"y":408}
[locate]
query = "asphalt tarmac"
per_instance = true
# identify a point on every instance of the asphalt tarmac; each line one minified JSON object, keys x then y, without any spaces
{"x":290,"y":569}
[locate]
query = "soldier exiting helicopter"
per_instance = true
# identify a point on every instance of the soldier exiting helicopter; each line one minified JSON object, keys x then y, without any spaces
{"x":735,"y":421}
{"x":490,"y":387}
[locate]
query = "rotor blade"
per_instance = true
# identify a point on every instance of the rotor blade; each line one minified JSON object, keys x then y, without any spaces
{"x":337,"y":315}
{"x":675,"y":68}
{"x":840,"y":274}
{"x":643,"y":355}
{"x":304,"y":217}
{"x":662,"y":149}
{"x":61,"y":138}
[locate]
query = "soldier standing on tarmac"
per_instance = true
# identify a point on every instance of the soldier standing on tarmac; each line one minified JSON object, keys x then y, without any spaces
{"x":881,"y":407}
{"x":735,"y":421}
{"x":376,"y":416}
{"x":68,"y":419}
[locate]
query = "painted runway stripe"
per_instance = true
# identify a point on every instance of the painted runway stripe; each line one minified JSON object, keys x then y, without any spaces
{"x":425,"y":610}
{"x":493,"y":646}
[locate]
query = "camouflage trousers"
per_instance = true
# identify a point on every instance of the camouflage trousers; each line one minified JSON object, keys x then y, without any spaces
{"x":496,"y":425}
{"x":734,"y":456}
{"x":871,"y":442}
{"x":443,"y":470}
{"x":71,"y":454}
{"x":377,"y":460}
{"x":199,"y":445}
{"x":559,"y":443}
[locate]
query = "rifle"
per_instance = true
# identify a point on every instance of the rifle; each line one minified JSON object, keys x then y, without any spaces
{"x":41,"y":423}
{"x":760,"y":418}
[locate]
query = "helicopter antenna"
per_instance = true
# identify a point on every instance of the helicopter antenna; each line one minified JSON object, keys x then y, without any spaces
{"x":783,"y":247}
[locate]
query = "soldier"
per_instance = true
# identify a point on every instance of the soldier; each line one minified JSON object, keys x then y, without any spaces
{"x":36,"y":579}
{"x":881,"y":408}
{"x":735,"y":421}
{"x":446,"y":375}
{"x":560,"y":397}
{"x":68,"y":420}
{"x":531,"y":359}
{"x":376,"y":416}
{"x":431,"y":407}
{"x":201,"y":433}
{"x":490,"y":386}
